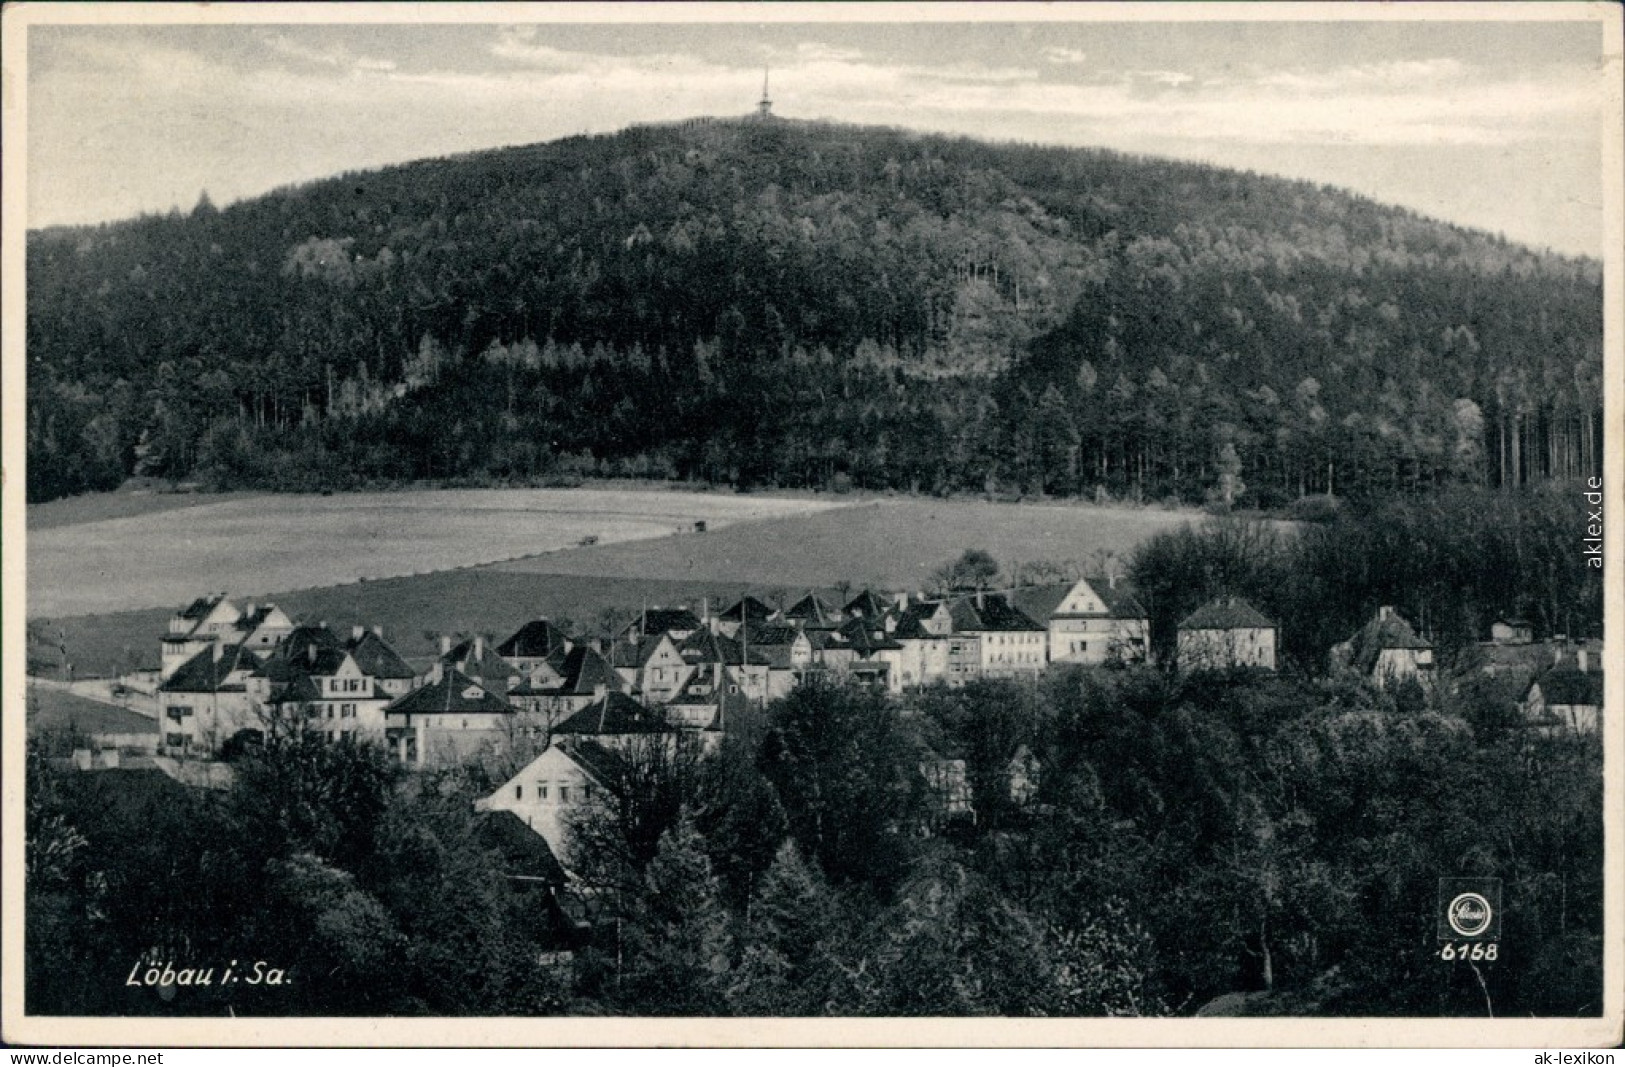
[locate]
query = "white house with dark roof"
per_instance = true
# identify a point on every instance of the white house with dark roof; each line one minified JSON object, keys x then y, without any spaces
{"x":532,"y":644}
{"x":1566,"y":699}
{"x":1097,"y":620}
{"x":1008,"y":642}
{"x":1225,"y":633}
{"x":923,"y":629}
{"x":328,"y":691}
{"x":567,"y":682}
{"x":546,"y":790}
{"x":447,"y":721}
{"x":1387,"y":650}
{"x":205,"y":700}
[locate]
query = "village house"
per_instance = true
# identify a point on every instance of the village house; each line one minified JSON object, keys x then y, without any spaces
{"x":212,"y":620}
{"x":379,"y":661}
{"x":777,"y":657}
{"x":1566,"y":700}
{"x":747,"y":611}
{"x":1097,"y":620}
{"x":676,"y":623}
{"x":653,"y":668}
{"x":205,"y":700}
{"x":475,"y":658}
{"x":812,"y":613}
{"x":866,"y":605}
{"x":877,"y":657}
{"x":533,"y":644}
{"x":447,"y":721}
{"x":566,"y":682}
{"x":566,"y":776}
{"x":1226,"y":633}
{"x":328,"y":692}
{"x":710,"y":698}
{"x":1008,"y":642}
{"x":924,"y":630}
{"x":1386,"y":650}
{"x":614,"y":720}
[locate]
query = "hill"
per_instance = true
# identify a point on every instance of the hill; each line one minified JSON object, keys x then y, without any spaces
{"x":802,"y":304}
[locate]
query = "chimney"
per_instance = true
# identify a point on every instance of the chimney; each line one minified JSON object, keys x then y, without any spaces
{"x":479,"y":647}
{"x":357,"y":632}
{"x":445,"y":644}
{"x":378,"y":632}
{"x":1385,"y":612}
{"x":1580,"y":660}
{"x":249,"y":610}
{"x":219,"y":649}
{"x":1111,"y":580}
{"x":978,"y":600}
{"x":1557,"y":654}
{"x":902,"y":600}
{"x":600,"y":691}
{"x":310,"y":652}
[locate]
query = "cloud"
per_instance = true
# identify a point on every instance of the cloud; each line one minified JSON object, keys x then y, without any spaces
{"x":332,"y":56}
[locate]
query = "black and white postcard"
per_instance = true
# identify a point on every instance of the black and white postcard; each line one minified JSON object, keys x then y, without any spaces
{"x":905,"y":524}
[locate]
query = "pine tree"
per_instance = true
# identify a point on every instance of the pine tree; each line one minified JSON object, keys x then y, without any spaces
{"x":676,"y":942}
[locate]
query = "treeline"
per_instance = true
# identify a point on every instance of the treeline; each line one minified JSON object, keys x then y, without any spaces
{"x":1274,"y":843}
{"x":1451,"y":562}
{"x":810,"y":305}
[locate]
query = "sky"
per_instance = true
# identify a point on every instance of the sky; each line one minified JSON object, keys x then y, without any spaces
{"x":1495,"y":125}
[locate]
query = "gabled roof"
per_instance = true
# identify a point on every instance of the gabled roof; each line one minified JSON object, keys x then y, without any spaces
{"x":994,"y":614}
{"x":455,"y":693}
{"x":811,"y":610}
{"x":603,"y":764}
{"x":205,"y":674}
{"x":200,"y":607}
{"x":377,"y":659}
{"x":912,"y":628}
{"x":1383,"y":632}
{"x":1568,"y":685}
{"x":763,"y":636}
{"x":491,"y":668}
{"x":747,"y":609}
{"x":613,"y":713}
{"x":583,"y":669}
{"x":536,"y":639}
{"x":297,"y":644}
{"x":703,"y":646}
{"x":865,"y":637}
{"x":865,"y":604}
{"x":523,"y":852}
{"x":656,"y":621}
{"x":1226,"y":613}
{"x":634,"y":654}
{"x":250,"y":621}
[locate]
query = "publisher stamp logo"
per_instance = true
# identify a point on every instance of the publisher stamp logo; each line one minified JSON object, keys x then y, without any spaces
{"x":1469,"y":909}
{"x":1469,"y":914}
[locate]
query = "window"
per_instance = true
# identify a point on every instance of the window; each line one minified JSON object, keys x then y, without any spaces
{"x":177,"y":712}
{"x":175,"y":740}
{"x":519,"y":792}
{"x":541,"y":790}
{"x":564,"y":794}
{"x":586,"y":791}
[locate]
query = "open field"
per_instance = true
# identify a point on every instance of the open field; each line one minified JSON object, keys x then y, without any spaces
{"x":265,"y":544}
{"x":888,"y":543}
{"x":891,"y":543}
{"x":58,"y":710}
{"x":96,"y":507}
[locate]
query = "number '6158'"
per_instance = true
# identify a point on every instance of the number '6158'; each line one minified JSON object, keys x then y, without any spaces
{"x":1477,"y":950}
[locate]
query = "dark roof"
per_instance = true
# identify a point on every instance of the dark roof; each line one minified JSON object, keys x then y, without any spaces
{"x":865,"y":604}
{"x":1568,"y":685}
{"x":1381,"y":633}
{"x":703,"y":646}
{"x":747,"y":609}
{"x":602,"y":763}
{"x":492,"y":670}
{"x":656,"y":621}
{"x":763,"y":636}
{"x":536,"y":639}
{"x":613,"y":713}
{"x":300,"y":638}
{"x":866,"y":637}
{"x":583,"y":669}
{"x":995,"y":613}
{"x":455,"y":693}
{"x":200,"y":607}
{"x":377,"y":659}
{"x":205,"y":674}
{"x":298,"y":689}
{"x":634,"y":653}
{"x":912,"y":628}
{"x":524,"y":852}
{"x":249,"y":621}
{"x":1226,"y":613}
{"x":813,"y":611}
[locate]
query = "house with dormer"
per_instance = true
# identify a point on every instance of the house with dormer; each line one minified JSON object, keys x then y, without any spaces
{"x":532,"y":644}
{"x":328,"y":692}
{"x":811,"y":612}
{"x":476,"y":658}
{"x":1095,"y":621}
{"x":923,"y":629}
{"x":746,"y":611}
{"x":1386,"y":650}
{"x":205,"y":701}
{"x":677,"y":623}
{"x":1007,"y":641}
{"x":567,"y":682}
{"x":447,"y":721}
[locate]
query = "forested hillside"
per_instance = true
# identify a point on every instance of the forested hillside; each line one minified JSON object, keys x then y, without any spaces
{"x":810,"y":305}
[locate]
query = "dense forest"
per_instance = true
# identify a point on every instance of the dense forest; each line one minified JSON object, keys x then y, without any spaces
{"x":800,"y":304}
{"x":1231,"y":841}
